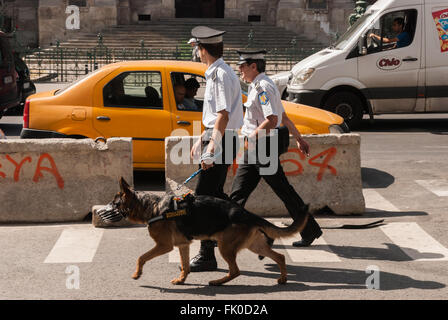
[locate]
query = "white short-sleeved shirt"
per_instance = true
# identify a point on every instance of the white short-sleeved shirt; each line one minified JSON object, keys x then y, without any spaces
{"x":222,"y":92}
{"x":263,"y":100}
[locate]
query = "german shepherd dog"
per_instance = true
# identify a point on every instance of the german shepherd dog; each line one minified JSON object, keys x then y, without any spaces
{"x":208,"y":218}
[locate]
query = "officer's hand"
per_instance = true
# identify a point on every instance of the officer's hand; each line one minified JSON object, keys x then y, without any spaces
{"x":205,"y":165}
{"x":304,"y":147}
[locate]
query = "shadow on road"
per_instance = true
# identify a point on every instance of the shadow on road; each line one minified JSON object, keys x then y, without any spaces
{"x":434,"y":126}
{"x":325,"y":279}
{"x":376,"y":179}
{"x":11,"y":129}
{"x":149,"y":180}
{"x":391,"y":253}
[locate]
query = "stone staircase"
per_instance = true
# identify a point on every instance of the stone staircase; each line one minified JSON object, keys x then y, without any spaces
{"x":168,"y":33}
{"x":171,"y":35}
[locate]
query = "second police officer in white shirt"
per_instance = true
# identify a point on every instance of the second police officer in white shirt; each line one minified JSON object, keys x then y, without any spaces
{"x":264,"y":112}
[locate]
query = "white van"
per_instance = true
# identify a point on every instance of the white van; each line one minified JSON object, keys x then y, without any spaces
{"x":364,"y":73}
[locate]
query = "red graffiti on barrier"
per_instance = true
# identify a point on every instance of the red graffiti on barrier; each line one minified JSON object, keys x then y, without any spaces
{"x":39,"y":168}
{"x":2,"y":174}
{"x":328,"y":155}
{"x":18,"y":166}
{"x":53,"y":170}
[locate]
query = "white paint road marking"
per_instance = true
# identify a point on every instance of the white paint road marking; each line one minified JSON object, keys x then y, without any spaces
{"x":438,"y":187}
{"x":415,"y":242}
{"x":75,"y":246}
{"x":174,"y":256}
{"x":376,"y":202}
{"x":318,"y":252}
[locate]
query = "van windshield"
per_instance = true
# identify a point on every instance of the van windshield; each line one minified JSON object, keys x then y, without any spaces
{"x":343,"y":41}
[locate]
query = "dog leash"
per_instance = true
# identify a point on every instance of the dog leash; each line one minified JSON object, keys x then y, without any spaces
{"x":193,"y":175}
{"x":359,"y":226}
{"x":189,"y":178}
{"x":355,"y":226}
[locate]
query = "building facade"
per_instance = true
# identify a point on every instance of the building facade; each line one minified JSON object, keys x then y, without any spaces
{"x":42,"y":22}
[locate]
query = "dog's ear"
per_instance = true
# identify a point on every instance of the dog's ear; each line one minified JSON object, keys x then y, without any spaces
{"x":124,"y":186}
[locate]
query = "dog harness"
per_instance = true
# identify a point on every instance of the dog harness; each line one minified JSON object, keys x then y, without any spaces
{"x":177,"y":207}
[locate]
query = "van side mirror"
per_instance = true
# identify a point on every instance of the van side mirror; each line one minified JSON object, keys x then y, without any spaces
{"x":362,"y":49}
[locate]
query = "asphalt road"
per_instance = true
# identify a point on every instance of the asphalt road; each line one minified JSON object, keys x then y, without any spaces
{"x":405,"y":181}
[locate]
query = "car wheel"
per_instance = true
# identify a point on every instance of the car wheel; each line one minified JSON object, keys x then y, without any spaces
{"x":347,"y":105}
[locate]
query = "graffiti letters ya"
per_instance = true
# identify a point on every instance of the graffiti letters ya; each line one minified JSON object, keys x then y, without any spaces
{"x":45,"y":163}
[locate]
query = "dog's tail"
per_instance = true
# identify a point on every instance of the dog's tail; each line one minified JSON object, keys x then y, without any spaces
{"x":275,"y":232}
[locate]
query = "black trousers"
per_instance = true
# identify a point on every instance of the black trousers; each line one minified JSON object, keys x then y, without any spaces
{"x":246,"y":180}
{"x":211,"y":181}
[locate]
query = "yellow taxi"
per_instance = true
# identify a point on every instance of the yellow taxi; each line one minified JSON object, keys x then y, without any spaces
{"x":143,"y":100}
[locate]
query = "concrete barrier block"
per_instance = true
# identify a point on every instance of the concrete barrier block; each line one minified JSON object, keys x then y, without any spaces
{"x":58,"y":180}
{"x":330,"y":177}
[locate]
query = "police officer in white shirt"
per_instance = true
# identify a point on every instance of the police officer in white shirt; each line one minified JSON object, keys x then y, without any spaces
{"x":222,"y":116}
{"x":264,"y":112}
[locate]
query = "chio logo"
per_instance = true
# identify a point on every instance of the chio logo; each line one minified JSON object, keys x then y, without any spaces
{"x":389,"y":63}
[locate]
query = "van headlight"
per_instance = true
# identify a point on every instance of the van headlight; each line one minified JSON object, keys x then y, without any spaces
{"x":303,"y":76}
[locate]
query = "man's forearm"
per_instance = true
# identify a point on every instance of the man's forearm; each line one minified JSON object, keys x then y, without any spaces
{"x":218,"y":130}
{"x":291,"y":127}
{"x":267,"y":125}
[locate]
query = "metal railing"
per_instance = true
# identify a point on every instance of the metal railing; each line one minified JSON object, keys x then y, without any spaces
{"x":62,"y":64}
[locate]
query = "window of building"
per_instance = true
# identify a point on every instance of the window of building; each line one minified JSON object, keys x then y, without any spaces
{"x":317,"y":4}
{"x":138,"y":89}
{"x":79,"y":3}
{"x":253,"y":18}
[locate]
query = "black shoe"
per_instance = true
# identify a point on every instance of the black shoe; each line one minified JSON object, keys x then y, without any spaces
{"x":306,"y":242}
{"x":270,"y":243}
{"x":203,"y":263}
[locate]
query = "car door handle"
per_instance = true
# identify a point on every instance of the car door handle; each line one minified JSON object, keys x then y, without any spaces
{"x":103,"y":118}
{"x":410,"y":59}
{"x":185,"y":123}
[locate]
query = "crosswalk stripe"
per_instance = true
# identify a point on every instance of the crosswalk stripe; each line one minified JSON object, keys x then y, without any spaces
{"x":415,"y":242}
{"x":174,"y":256}
{"x":438,"y":187}
{"x":75,"y":245}
{"x":318,"y":252}
{"x":376,"y":202}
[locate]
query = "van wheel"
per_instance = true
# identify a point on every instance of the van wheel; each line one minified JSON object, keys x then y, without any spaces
{"x":347,"y":105}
